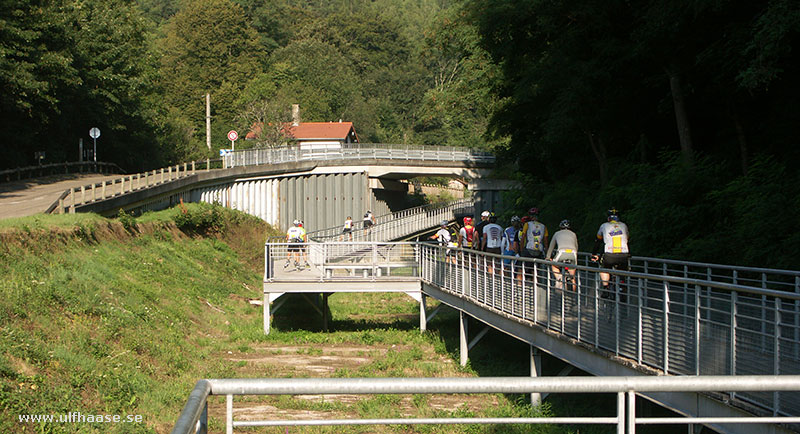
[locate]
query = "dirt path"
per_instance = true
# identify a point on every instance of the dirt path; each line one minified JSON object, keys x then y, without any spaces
{"x":324,"y":361}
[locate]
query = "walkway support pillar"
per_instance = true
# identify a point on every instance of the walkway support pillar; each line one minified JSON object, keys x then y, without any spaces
{"x":463,"y":343}
{"x":536,"y":371}
{"x":423,"y":315}
{"x":266,"y":313}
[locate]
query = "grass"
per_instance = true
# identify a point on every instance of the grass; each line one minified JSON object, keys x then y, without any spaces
{"x":123,"y":317}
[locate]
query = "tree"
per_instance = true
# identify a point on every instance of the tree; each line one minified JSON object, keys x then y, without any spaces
{"x":206,"y":44}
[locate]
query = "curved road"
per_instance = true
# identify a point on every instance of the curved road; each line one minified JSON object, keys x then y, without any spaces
{"x":32,"y":196}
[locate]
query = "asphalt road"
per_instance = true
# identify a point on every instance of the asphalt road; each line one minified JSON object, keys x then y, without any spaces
{"x":32,"y":196}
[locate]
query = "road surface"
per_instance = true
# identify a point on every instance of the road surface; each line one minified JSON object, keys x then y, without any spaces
{"x":32,"y":196}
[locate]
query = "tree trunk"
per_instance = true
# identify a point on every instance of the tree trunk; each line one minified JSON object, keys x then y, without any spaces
{"x":742,"y":139}
{"x":681,"y":117}
{"x":600,"y":154}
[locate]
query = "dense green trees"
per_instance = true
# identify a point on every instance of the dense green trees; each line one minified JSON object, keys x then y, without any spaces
{"x":686,"y":111}
{"x":683,"y":114}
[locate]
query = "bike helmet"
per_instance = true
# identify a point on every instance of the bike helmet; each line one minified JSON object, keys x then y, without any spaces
{"x":524,"y":219}
{"x":485,"y":214}
{"x":492,"y":218}
{"x":515,"y":219}
{"x":296,"y":222}
{"x":613,"y":213}
{"x":564,"y":224}
{"x":444,"y":223}
{"x":467,"y":220}
{"x":533,"y":211}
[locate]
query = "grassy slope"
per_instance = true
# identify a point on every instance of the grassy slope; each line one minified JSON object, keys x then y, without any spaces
{"x":99,"y":321}
{"x":102,"y":321}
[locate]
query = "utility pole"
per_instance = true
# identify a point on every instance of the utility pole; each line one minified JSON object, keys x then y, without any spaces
{"x":208,"y":120}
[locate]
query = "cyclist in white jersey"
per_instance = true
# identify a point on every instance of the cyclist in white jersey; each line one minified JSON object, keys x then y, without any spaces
{"x":613,"y":235}
{"x":491,"y":240}
{"x":566,"y":251}
{"x":445,"y":239}
{"x":296,"y":237}
{"x":347,"y":230}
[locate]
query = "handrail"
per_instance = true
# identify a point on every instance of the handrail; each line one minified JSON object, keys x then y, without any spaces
{"x":7,"y":174}
{"x":192,"y":418}
{"x":356,"y":151}
{"x":89,"y":193}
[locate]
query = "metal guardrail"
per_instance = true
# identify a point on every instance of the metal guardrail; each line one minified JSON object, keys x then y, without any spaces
{"x":333,"y":261}
{"x":399,"y":224}
{"x":356,"y":151}
{"x":194,"y":417}
{"x":20,"y":173}
{"x":89,"y":193}
{"x":680,"y":326}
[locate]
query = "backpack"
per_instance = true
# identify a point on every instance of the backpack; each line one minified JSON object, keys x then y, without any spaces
{"x":470,"y":232}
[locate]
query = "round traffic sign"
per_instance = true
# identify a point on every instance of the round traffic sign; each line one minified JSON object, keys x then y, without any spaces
{"x":232,"y":135}
{"x":94,"y":132}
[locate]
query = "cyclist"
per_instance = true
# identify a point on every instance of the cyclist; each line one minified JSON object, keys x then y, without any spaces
{"x":566,"y":252}
{"x":534,"y":235}
{"x":479,"y":230}
{"x":444,"y":238}
{"x":295,"y":236}
{"x":510,"y":243}
{"x":466,"y":236}
{"x":613,"y":237}
{"x":369,"y":221}
{"x":491,"y":239}
{"x":347,"y":230}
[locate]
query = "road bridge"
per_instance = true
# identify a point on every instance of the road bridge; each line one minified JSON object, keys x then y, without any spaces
{"x":279,"y":185}
{"x":663,"y":317}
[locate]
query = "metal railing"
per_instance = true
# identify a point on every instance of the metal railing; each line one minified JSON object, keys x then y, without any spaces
{"x":194,"y":417}
{"x":356,"y":151}
{"x":333,"y":261}
{"x":398,"y":224}
{"x":20,"y":173}
{"x":680,"y":326}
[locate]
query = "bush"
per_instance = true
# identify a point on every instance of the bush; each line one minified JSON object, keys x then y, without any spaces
{"x":202,"y":218}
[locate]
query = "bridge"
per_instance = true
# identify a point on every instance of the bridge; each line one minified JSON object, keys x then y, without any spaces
{"x":662,"y":318}
{"x":279,"y":185}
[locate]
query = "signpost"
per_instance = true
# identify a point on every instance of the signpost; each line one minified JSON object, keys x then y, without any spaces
{"x":232,"y":136}
{"x":94,"y":133}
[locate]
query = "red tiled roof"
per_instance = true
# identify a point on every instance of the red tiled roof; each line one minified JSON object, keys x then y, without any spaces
{"x":311,"y":130}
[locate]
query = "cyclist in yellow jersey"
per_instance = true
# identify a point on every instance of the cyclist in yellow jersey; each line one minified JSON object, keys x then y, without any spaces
{"x":613,"y":236}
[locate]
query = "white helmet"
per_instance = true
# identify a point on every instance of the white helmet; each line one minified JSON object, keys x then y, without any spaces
{"x":296,"y":223}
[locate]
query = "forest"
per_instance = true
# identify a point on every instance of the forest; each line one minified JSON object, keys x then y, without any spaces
{"x":683,"y":114}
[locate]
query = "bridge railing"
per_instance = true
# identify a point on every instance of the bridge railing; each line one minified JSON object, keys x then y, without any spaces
{"x":356,"y":151}
{"x":398,"y":224}
{"x":334,"y":261}
{"x":20,"y":173}
{"x":89,"y":193}
{"x":677,"y":325}
{"x":194,"y":417}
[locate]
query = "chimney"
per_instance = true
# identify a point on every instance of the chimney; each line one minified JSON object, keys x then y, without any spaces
{"x":295,"y":115}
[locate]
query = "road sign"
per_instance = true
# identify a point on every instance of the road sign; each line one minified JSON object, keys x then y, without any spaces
{"x":233,"y":135}
{"x":94,"y":132}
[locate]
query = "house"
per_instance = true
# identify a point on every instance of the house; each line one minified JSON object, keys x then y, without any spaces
{"x":313,"y":135}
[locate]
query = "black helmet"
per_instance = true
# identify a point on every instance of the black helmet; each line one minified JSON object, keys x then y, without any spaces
{"x":564,"y":224}
{"x":492,"y":218}
{"x":613,"y":213}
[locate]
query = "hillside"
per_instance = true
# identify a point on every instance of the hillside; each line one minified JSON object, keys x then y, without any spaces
{"x":122,"y":317}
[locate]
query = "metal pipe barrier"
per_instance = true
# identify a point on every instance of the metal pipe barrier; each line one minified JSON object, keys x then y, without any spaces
{"x":356,"y":151}
{"x":678,"y":325}
{"x":21,"y":173}
{"x":194,"y":417}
